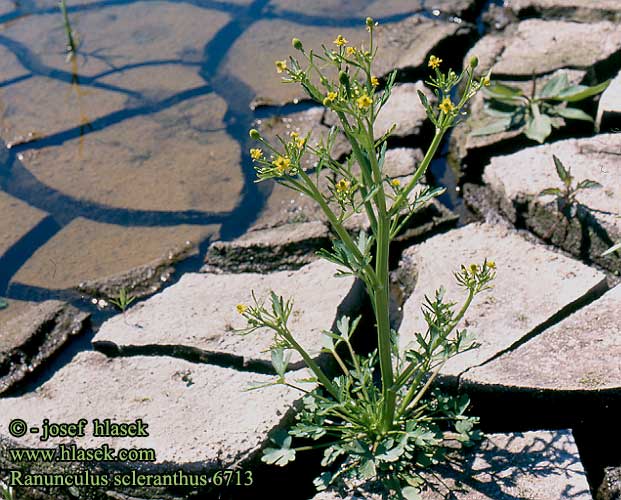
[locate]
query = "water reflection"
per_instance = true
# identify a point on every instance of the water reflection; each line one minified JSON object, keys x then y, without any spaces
{"x":144,"y":125}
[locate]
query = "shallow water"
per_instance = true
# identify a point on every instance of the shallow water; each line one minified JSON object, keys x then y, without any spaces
{"x":138,"y":145}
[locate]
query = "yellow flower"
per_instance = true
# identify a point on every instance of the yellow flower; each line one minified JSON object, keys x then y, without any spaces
{"x":280,"y":66}
{"x":364,"y":101}
{"x":241,"y":308}
{"x":351,"y":51}
{"x":485,"y":81}
{"x":299,"y":141}
{"x":340,"y":41}
{"x":447,"y":105}
{"x":395,"y":182}
{"x":342,"y":185}
{"x":282,"y":163}
{"x":491,"y":264}
{"x":330,"y":98}
{"x":374,"y":81}
{"x":474,"y":268}
{"x":256,"y":154}
{"x":434,"y":62}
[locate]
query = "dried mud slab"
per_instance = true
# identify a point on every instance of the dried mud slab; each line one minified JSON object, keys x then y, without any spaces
{"x":536,"y":47}
{"x":533,"y":285}
{"x":596,"y":223}
{"x":29,"y":339}
{"x":609,"y":109}
{"x":201,"y":418}
{"x":576,"y":10}
{"x":587,"y":52}
{"x":197,"y":316}
{"x":289,"y":246}
{"x":579,"y":354}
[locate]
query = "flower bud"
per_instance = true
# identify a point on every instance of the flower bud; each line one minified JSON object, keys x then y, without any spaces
{"x":297,"y":44}
{"x":369,"y":22}
{"x":254,"y":134}
{"x":474,"y":61}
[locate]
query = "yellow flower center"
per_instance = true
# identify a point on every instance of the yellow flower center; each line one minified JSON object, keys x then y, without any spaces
{"x":280,"y":66}
{"x":364,"y":101}
{"x":330,"y":98}
{"x":351,"y":51}
{"x":256,"y":154}
{"x":374,"y":81}
{"x":241,"y":308}
{"x":342,"y":185}
{"x":447,"y":105}
{"x":434,"y":62}
{"x":485,"y":81}
{"x":491,"y":264}
{"x":340,"y":41}
{"x":282,"y":164}
{"x":395,"y":182}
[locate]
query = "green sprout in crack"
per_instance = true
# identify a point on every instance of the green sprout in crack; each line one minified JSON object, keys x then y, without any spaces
{"x":538,"y":112}
{"x":72,"y":47}
{"x":566,"y":195}
{"x":123,"y":300}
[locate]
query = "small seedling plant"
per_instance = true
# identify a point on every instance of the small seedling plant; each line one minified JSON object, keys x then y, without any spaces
{"x":377,"y":419}
{"x":538,"y":112}
{"x":123,"y":300}
{"x":566,"y":196}
{"x":72,"y":47}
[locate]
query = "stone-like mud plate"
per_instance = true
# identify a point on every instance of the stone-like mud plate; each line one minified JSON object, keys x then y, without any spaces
{"x":200,"y":418}
{"x":533,"y":285}
{"x":197,"y":317}
{"x":594,"y":224}
{"x":29,"y":339}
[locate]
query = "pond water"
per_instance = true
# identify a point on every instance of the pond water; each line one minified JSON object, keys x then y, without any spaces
{"x":137,"y":145}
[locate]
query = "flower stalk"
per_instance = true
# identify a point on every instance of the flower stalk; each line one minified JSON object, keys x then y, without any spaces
{"x":391,"y":430}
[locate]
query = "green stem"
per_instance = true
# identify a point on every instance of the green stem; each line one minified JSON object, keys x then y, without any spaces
{"x":422,"y":168}
{"x":382,"y":291}
{"x":68,"y":30}
{"x":383,"y":323}
{"x":406,"y":401}
{"x":340,"y":362}
{"x":321,"y":376}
